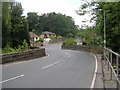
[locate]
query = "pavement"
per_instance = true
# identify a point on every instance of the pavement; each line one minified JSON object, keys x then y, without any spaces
{"x":103,"y":80}
{"x":59,"y":69}
{"x":99,"y":78}
{"x":108,"y":83}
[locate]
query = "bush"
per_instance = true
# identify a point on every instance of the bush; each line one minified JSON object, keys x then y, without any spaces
{"x":52,"y":37}
{"x":8,"y":49}
{"x":20,"y":48}
{"x":41,"y":40}
{"x":25,"y":45}
{"x":69,"y":42}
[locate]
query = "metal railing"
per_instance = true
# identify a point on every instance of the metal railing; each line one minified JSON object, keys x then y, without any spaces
{"x":113,"y":64}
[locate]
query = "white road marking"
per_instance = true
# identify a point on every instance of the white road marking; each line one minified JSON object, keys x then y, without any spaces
{"x":12,"y":78}
{"x":52,"y":64}
{"x":94,"y":77}
{"x":68,"y":54}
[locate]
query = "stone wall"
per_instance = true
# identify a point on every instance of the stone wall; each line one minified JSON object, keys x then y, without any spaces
{"x":22,"y":56}
{"x":91,"y":49}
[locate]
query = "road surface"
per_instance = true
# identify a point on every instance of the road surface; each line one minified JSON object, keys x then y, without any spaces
{"x":60,"y":69}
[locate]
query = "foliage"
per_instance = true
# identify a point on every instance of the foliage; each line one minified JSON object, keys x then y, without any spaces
{"x":69,"y":42}
{"x":69,"y":35}
{"x":25,"y":45}
{"x":90,"y":37}
{"x":14,"y":27}
{"x":53,"y":37}
{"x":112,"y":22}
{"x":112,"y":11}
{"x":33,"y":20}
{"x":20,"y":48}
{"x":40,"y":40}
{"x":19,"y":30}
{"x":8,"y":49}
{"x":6,"y":23}
{"x":56,"y":23}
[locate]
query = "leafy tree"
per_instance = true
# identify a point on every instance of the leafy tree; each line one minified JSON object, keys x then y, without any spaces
{"x":32,"y":21}
{"x":112,"y":16}
{"x":14,"y":26}
{"x":57,"y":23}
{"x":19,"y":27}
{"x":6,"y":23}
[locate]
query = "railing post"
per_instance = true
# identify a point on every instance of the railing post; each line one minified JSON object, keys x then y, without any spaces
{"x":117,"y":58}
{"x":108,"y":60}
{"x":111,"y":65}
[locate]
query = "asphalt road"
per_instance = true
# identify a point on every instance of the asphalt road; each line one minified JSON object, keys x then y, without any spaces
{"x":60,"y":69}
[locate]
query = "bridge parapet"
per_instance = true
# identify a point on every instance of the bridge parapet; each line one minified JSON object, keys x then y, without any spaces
{"x":22,"y":56}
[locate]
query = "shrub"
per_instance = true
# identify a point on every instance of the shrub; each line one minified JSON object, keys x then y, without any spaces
{"x":52,"y":37}
{"x":20,"y":48}
{"x":8,"y":49}
{"x":41,"y":40}
{"x":69,"y":42}
{"x":25,"y":45}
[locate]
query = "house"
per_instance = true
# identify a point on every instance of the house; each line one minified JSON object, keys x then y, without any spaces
{"x":47,"y":34}
{"x":33,"y":38}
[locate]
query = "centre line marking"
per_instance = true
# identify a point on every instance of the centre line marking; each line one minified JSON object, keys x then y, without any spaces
{"x":68,"y":54}
{"x":52,"y":64}
{"x":12,"y":78}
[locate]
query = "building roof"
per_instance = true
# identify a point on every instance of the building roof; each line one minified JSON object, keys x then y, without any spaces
{"x":33,"y":35}
{"x":47,"y":32}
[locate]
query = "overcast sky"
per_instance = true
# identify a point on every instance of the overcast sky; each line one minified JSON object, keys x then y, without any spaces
{"x":67,"y":7}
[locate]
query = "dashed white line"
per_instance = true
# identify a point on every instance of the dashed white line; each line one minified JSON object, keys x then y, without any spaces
{"x":12,"y":78}
{"x":52,"y":64}
{"x":68,"y":54}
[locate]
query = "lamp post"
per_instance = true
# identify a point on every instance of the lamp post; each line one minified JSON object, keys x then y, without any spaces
{"x":104,"y":31}
{"x":104,"y":35}
{"x":105,"y":11}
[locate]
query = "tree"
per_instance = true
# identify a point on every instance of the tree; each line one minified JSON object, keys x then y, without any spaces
{"x":6,"y":23}
{"x":32,"y":21}
{"x":57,"y":23}
{"x":19,"y":27}
{"x":14,"y":25}
{"x":112,"y":16}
